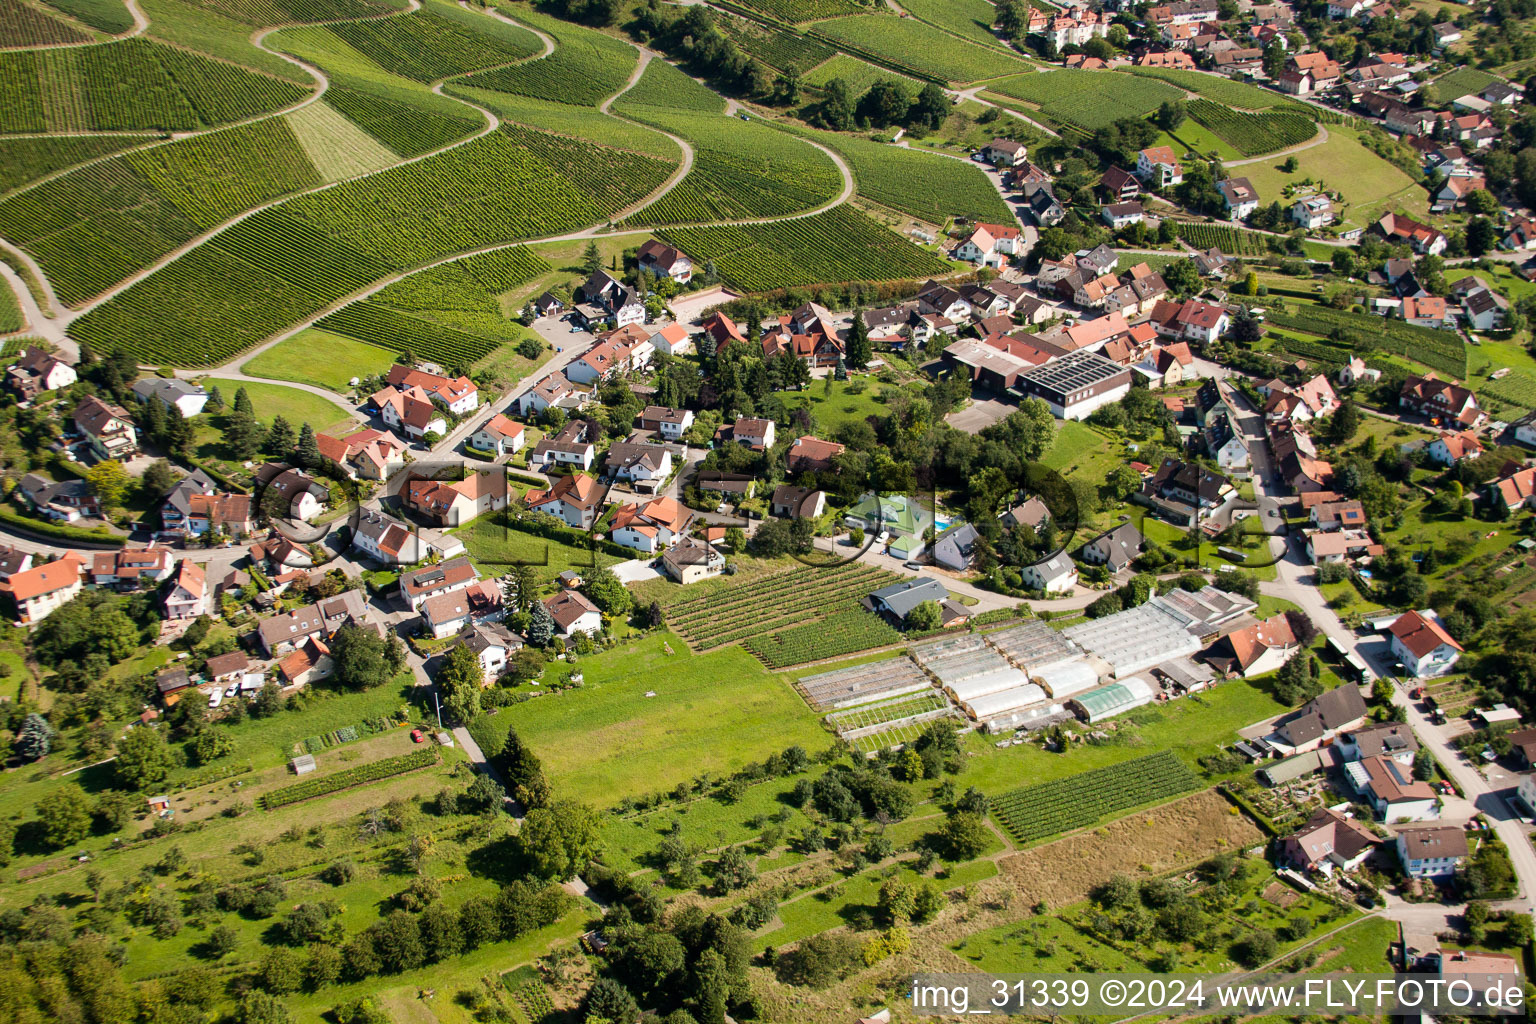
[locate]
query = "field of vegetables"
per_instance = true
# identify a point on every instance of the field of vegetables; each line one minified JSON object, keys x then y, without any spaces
{"x":834,"y":636}
{"x":841,"y":244}
{"x":23,"y":161}
{"x":919,"y":48}
{"x":763,"y":605}
{"x":929,"y":187}
{"x":1439,"y":350}
{"x":1253,"y":134}
{"x":437,"y":41}
{"x":1051,"y":808}
{"x":1230,"y":240}
{"x":585,"y":68}
{"x":131,"y":85}
{"x":348,"y":777}
{"x":95,"y":226}
{"x":1089,"y":99}
{"x":21,"y":25}
{"x":741,"y":169}
{"x":279,"y":266}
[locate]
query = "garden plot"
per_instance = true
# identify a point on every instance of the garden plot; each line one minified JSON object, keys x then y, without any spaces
{"x":864,"y":684}
{"x":890,"y":723}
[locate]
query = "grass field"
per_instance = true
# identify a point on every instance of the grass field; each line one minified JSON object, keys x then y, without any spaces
{"x":712,"y":712}
{"x":1369,"y":184}
{"x":491,"y":543}
{"x":343,"y":358}
{"x":840,"y":405}
{"x":292,"y":404}
{"x":1192,"y":135}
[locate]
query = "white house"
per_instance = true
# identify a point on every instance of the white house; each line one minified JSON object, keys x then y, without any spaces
{"x":172,"y":392}
{"x":1421,"y":643}
{"x":187,"y":597}
{"x":665,"y":260}
{"x":574,"y":613}
{"x":499,"y":435}
{"x":456,"y":394}
{"x":650,"y":526}
{"x":576,"y":500}
{"x":1525,"y":429}
{"x":988,"y":244}
{"x":1055,"y":575}
{"x":671,"y":424}
{"x":547,"y":392}
{"x":1312,"y":212}
{"x":1452,"y":447}
{"x":1431,"y":852}
{"x":673,"y":339}
{"x":1157,"y":167}
{"x":690,"y":560}
{"x":645,"y":466}
{"x":570,"y":447}
{"x":493,"y":644}
{"x":1391,"y":790}
{"x":1240,"y":196}
{"x":1122,"y":215}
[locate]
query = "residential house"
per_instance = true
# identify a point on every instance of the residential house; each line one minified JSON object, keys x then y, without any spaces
{"x":184,"y":396}
{"x":1320,"y":719}
{"x":1425,"y":240}
{"x":366,"y":455}
{"x":1453,"y":192}
{"x":35,"y":372}
{"x":411,"y":411}
{"x":1391,"y":740}
{"x":812,"y":455}
{"x":456,"y":502}
{"x":233,"y":515}
{"x":956,"y":547}
{"x":1329,"y":841}
{"x":989,"y":245}
{"x":1119,"y":185}
{"x":665,"y":260}
{"x":451,"y":611}
{"x":650,"y":526}
{"x":288,"y":492}
{"x":755,"y":433}
{"x":1032,"y":513}
{"x":64,"y":501}
{"x":691,"y":560}
{"x":899,"y":599}
{"x":430,"y":581}
{"x":547,"y":392}
{"x":1157,"y":168}
{"x":492,"y":644}
{"x":1525,"y":429}
{"x":1440,"y":401}
{"x":1420,"y":642}
{"x":604,"y":297}
{"x":456,"y":394}
{"x":107,"y":428}
{"x":1340,"y":9}
{"x":1516,"y":491}
{"x":1312,"y":212}
{"x":1225,"y":443}
{"x":1329,"y":516}
{"x":570,"y":447}
{"x":1391,"y":790}
{"x":547,"y":305}
{"x":1255,"y":650}
{"x":1183,"y":490}
{"x":1122,"y":215}
{"x":1424,"y":311}
{"x":1194,"y":320}
{"x":574,"y":613}
{"x":13,"y":561}
{"x":723,"y":330}
{"x":1005,"y":153}
{"x":498,"y":435}
{"x":642,"y":465}
{"x":38,"y":591}
{"x":1115,"y":548}
{"x":1039,"y":199}
{"x":1355,"y":371}
{"x":577,"y":500}
{"x":1240,"y":196}
{"x":1484,"y":309}
{"x":187,"y":595}
{"x":1054,"y":575}
{"x":791,"y":502}
{"x":284,"y":633}
{"x":310,"y":662}
{"x":134,"y":567}
{"x":618,"y":351}
{"x":388,"y":540}
{"x":902,"y":517}
{"x":1306,"y":73}
{"x":669,"y":423}
{"x":674,"y":340}
{"x":1337,"y":546}
{"x":227,"y":668}
{"x":1519,"y":233}
{"x":1452,"y":447}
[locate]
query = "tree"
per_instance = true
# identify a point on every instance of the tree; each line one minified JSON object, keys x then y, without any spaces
{"x":541,"y":625}
{"x":884,"y":104}
{"x":158,"y":479}
{"x":836,"y":109}
{"x":926,"y":616}
{"x":65,"y":815}
{"x":524,"y":584}
{"x":591,"y":259}
{"x":280,"y":438}
{"x":1483,"y":203}
{"x":1170,"y":115}
{"x":459,"y":680}
{"x":606,"y":591}
{"x":243,"y":404}
{"x":279,"y":972}
{"x":109,"y":482}
{"x":307,"y":449}
{"x":1122,"y":482}
{"x":964,"y":836}
{"x":1346,"y":422}
{"x":222,"y":941}
{"x":607,"y":1000}
{"x":35,"y":737}
{"x":1482,"y":236}
{"x":261,"y":1008}
{"x":143,"y":758}
{"x":733,"y":870}
{"x":1245,"y":326}
{"x":559,"y":839}
{"x":929,"y":109}
{"x":858,"y":351}
{"x":1182,"y":276}
{"x":896,"y":903}
{"x":360,"y":657}
{"x":210,"y":745}
{"x":215,"y":399}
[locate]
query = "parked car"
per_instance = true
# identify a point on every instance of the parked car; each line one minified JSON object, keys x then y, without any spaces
{"x":416,"y":736}
{"x":230,"y":691}
{"x":216,"y":698}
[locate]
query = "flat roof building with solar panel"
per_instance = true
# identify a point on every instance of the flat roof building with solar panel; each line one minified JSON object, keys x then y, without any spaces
{"x":1076,"y":384}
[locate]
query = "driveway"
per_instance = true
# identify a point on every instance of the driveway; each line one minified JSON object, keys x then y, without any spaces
{"x":980,"y":414}
{"x":690,"y":307}
{"x":636,"y":570}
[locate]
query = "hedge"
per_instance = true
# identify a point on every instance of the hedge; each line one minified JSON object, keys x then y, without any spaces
{"x":347,"y":778}
{"x":59,"y":531}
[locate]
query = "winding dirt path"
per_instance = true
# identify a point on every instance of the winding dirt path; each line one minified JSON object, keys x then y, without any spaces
{"x":1318,"y":140}
{"x":140,"y":26}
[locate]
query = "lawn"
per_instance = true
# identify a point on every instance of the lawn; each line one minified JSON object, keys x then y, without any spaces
{"x":297,"y":407}
{"x":492,"y":544}
{"x":712,"y":712}
{"x":341,"y":359}
{"x":1254,"y":544}
{"x":1193,"y":135}
{"x":836,"y":403}
{"x":1370,"y":185}
{"x":1191,"y":727}
{"x":1083,"y":451}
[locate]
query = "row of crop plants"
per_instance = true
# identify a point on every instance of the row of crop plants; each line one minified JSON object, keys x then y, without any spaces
{"x":1439,"y":350}
{"x":836,"y":635}
{"x":349,"y":777}
{"x":1230,"y":240}
{"x":585,"y":67}
{"x":1253,"y":134}
{"x":1038,"y":812}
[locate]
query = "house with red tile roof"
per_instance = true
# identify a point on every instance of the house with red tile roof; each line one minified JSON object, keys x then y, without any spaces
{"x":1440,"y":401}
{"x":411,"y":411}
{"x":1421,"y":643}
{"x":723,"y":330}
{"x":456,"y":394}
{"x":187,"y":595}
{"x":366,"y":455}
{"x":1260,"y":648}
{"x":499,"y":435}
{"x":812,"y":455}
{"x":650,"y":526}
{"x":1452,"y":447}
{"x":1515,"y":490}
{"x":36,"y":592}
{"x":1157,"y":168}
{"x":577,"y":500}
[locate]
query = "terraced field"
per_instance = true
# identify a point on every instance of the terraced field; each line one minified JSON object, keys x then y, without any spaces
{"x":920,"y":49}
{"x":26,"y":160}
{"x":778,"y":48}
{"x":437,"y":41}
{"x":287,"y":263}
{"x":131,"y":85}
{"x":839,"y":245}
{"x":1089,"y":100}
{"x":585,"y":68}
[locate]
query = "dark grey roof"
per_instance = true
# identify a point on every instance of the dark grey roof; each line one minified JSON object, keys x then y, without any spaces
{"x":902,"y":597}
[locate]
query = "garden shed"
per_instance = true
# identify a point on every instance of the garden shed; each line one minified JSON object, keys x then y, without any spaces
{"x":303,"y":764}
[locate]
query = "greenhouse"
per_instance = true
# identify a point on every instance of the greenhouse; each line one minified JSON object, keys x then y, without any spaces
{"x":1069,"y":677}
{"x":994,"y":704}
{"x":1111,"y":700}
